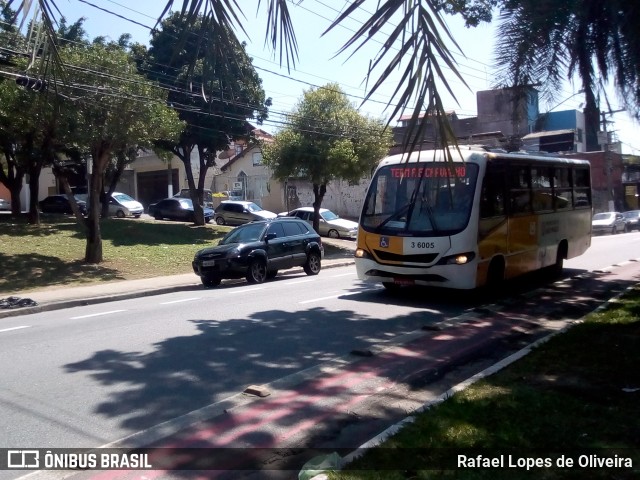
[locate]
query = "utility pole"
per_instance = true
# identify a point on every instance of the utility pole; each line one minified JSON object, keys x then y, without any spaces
{"x":608,"y":160}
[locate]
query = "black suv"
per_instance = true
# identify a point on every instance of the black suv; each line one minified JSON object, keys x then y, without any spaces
{"x":257,"y":250}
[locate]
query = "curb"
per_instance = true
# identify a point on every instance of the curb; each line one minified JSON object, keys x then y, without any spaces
{"x":80,"y":302}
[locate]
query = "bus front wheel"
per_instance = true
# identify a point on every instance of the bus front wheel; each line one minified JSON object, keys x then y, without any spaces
{"x":495,"y":275}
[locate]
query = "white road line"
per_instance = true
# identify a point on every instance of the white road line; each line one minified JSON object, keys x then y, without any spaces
{"x":14,"y":328}
{"x":343,"y":275}
{"x":97,"y":314}
{"x":180,"y":301}
{"x":244,"y":290}
{"x":320,"y":299}
{"x":302,"y":281}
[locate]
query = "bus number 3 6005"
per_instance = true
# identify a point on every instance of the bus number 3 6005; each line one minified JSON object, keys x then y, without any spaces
{"x":423,"y":245}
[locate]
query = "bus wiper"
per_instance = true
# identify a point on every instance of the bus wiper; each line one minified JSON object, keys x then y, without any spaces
{"x":426,"y":205}
{"x":394,"y":216}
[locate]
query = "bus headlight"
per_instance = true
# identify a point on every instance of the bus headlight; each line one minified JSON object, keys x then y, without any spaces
{"x":361,"y":253}
{"x":461,"y":259}
{"x":458,"y":259}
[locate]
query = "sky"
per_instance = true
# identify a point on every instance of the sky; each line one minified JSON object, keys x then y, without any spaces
{"x":319,"y":62}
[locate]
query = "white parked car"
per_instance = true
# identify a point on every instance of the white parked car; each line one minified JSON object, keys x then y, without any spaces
{"x":608,"y":222}
{"x":331,"y":225}
{"x":122,"y":205}
{"x":5,"y":204}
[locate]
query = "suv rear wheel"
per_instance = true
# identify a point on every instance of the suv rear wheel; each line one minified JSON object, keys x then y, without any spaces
{"x":220,"y":221}
{"x":257,"y":271}
{"x":312,"y":265}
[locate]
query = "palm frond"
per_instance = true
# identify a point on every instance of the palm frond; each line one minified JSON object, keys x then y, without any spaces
{"x":423,"y":50}
{"x":279,"y":20}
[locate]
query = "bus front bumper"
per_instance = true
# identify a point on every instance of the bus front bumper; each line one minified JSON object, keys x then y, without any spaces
{"x":446,"y":276}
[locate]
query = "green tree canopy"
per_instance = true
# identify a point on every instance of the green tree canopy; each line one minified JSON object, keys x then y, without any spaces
{"x":109,"y":108}
{"x":214,"y":99}
{"x":326,"y":139}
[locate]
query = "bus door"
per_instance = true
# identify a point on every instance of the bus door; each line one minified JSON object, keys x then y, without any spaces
{"x":493,"y":234}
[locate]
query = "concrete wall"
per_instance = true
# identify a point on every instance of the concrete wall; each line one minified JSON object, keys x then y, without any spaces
{"x":342,"y":197}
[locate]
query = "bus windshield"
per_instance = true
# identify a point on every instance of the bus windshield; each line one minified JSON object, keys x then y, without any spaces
{"x":433,"y":198}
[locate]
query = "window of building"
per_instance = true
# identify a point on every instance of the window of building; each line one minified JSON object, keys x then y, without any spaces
{"x":257,"y":158}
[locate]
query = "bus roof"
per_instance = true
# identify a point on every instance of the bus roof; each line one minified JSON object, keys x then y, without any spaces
{"x":476,"y":153}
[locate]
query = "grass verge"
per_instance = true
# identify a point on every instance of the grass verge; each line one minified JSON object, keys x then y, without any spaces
{"x":577,"y":395}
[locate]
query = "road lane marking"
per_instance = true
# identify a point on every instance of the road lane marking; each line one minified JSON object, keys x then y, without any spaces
{"x":320,"y":299}
{"x":14,"y":328}
{"x":180,"y":301}
{"x":97,"y":314}
{"x":245,"y":290}
{"x":343,"y":275}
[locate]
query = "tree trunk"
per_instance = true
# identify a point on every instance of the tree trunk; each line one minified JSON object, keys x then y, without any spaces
{"x":11,"y":177}
{"x":16,"y":204}
{"x":318,"y":196}
{"x":184,"y":154}
{"x":64,"y":181}
{"x":34,"y":184}
{"x":99,"y":157}
{"x":204,"y":166}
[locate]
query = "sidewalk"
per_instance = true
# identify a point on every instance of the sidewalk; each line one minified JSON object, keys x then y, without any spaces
{"x":55,"y":298}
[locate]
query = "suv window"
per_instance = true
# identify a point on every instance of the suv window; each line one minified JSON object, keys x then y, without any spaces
{"x":292,"y":228}
{"x":277,"y":229}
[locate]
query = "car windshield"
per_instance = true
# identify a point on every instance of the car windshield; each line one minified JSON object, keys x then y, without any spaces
{"x":632,"y":214}
{"x":329,"y":215}
{"x":602,"y":216}
{"x":122,"y":197}
{"x":252,"y":207}
{"x":244,"y":234}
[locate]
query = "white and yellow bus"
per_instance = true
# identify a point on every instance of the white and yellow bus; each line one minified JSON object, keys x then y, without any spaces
{"x":478,"y":220}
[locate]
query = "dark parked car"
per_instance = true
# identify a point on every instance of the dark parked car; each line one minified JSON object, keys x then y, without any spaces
{"x":257,"y":250}
{"x":177,"y":209}
{"x":60,"y":204}
{"x":632,"y":217}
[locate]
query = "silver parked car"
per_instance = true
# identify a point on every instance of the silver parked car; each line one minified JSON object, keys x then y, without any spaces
{"x":608,"y":222}
{"x":122,"y":205}
{"x":331,"y":225}
{"x":233,"y":212}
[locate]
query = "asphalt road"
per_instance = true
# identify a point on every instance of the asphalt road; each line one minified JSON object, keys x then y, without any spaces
{"x":340,"y":360}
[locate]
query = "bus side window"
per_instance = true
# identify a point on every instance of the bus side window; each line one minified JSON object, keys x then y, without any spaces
{"x":563,"y":193}
{"x":542,"y":192}
{"x":519,"y":189}
{"x":581,"y":187}
{"x":492,"y":194}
